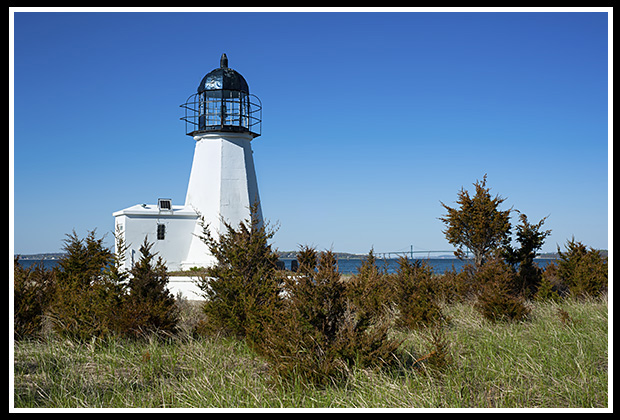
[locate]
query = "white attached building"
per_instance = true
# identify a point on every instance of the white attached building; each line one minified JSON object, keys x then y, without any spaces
{"x":223,"y":118}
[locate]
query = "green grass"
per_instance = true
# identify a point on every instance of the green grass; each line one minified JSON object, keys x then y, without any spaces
{"x":551,"y":360}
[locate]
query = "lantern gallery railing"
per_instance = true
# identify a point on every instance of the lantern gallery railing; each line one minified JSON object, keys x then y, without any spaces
{"x":223,"y":110}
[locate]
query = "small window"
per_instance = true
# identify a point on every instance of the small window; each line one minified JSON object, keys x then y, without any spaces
{"x":161,"y":231}
{"x":164,"y":204}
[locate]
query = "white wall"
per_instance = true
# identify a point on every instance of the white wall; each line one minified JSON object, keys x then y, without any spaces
{"x":138,"y":225}
{"x":186,"y":286}
{"x":222,"y":184}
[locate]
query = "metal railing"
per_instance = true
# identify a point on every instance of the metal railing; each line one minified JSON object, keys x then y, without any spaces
{"x":223,"y":111}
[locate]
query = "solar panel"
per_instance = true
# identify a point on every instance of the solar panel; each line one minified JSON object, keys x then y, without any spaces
{"x":164,"y":204}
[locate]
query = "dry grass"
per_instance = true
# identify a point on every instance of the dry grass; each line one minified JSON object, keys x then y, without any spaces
{"x":557,"y":358}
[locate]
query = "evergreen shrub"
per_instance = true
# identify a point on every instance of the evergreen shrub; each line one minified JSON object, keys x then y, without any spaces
{"x":583,"y":270}
{"x":320,"y":331}
{"x":148,"y":307}
{"x":416,"y":294}
{"x":497,"y":300}
{"x":32,"y":288}
{"x":84,"y":300}
{"x":242,"y":288}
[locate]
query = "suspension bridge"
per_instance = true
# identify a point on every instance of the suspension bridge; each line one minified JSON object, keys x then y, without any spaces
{"x":412,"y":253}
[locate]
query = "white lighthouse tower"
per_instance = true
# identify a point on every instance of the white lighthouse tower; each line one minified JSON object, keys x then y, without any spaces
{"x":223,"y":118}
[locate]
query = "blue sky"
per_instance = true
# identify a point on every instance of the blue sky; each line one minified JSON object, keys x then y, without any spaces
{"x":369,"y":119}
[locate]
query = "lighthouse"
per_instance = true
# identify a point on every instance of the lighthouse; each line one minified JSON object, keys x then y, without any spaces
{"x":223,"y":118}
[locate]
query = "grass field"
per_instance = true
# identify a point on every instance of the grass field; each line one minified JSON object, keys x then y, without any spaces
{"x":558,"y":358}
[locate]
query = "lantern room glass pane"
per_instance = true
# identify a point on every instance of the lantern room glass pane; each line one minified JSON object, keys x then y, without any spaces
{"x":223,"y":108}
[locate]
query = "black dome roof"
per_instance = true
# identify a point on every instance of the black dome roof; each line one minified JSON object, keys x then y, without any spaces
{"x":223,"y":78}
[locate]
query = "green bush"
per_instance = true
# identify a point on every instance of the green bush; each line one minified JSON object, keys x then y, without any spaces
{"x":416,"y":294}
{"x":370,"y":289}
{"x":476,"y":225}
{"x":84,"y":301}
{"x":582,"y":270}
{"x":92,"y":297}
{"x":149,"y":307}
{"x":458,"y":286}
{"x":550,"y":288}
{"x":530,"y":238}
{"x":241,"y":289}
{"x":320,"y":333}
{"x":32,"y":288}
{"x":497,"y":300}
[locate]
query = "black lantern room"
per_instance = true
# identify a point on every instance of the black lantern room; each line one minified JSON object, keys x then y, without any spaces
{"x":223,"y":103}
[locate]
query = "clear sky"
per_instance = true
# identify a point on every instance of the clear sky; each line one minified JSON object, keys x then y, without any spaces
{"x":369,"y":119}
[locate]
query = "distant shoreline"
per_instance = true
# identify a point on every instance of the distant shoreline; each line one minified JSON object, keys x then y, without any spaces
{"x":44,"y":256}
{"x":292,"y":255}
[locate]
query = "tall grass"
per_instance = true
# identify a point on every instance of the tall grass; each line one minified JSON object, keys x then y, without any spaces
{"x":557,"y":358}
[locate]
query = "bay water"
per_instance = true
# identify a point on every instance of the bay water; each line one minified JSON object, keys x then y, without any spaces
{"x":350,"y":265}
{"x":439,"y":265}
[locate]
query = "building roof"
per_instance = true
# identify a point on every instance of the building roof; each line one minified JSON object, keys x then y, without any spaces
{"x":147,"y":210}
{"x":223,"y":78}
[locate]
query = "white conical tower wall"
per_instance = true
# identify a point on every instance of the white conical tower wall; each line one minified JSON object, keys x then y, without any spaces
{"x":222,"y":184}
